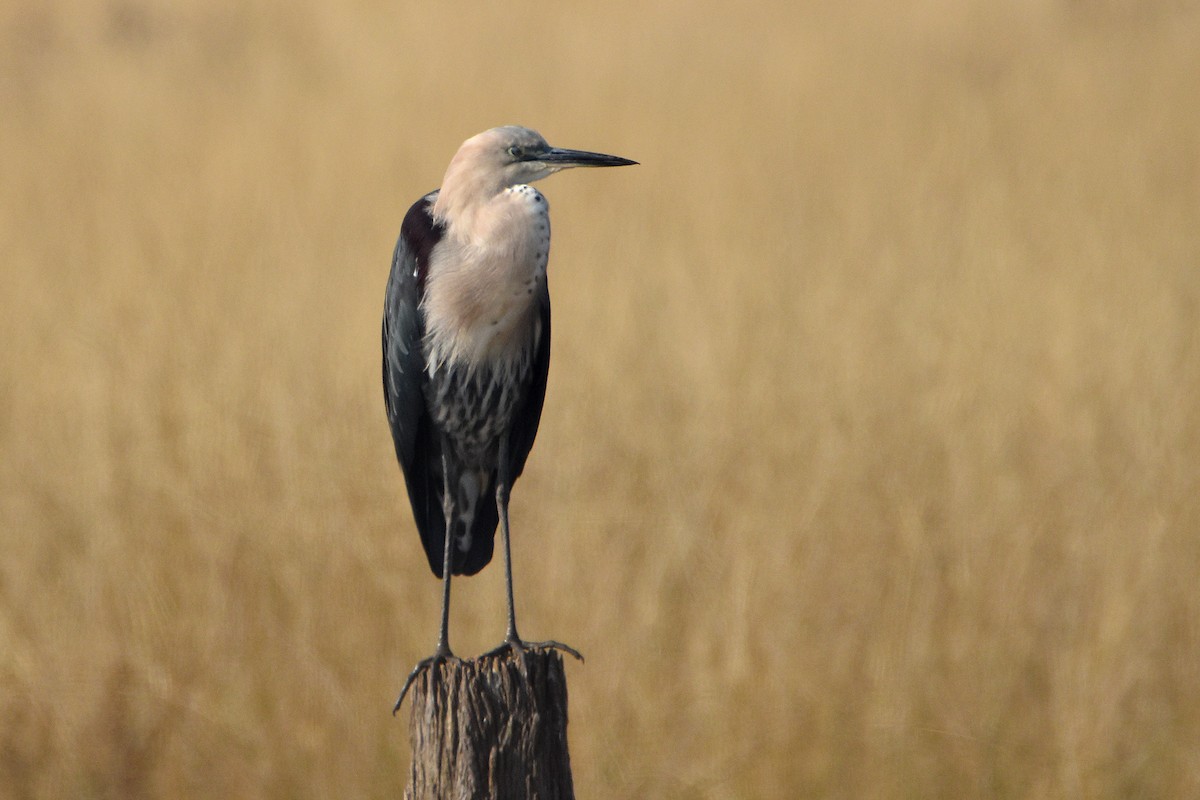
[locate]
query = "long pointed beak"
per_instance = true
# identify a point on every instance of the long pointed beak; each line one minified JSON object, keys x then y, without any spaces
{"x":582,"y":158}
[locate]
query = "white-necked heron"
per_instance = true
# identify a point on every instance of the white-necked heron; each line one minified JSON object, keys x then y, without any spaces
{"x":466,"y":350}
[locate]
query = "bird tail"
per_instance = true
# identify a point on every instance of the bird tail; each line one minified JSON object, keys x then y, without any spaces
{"x":474,"y":520}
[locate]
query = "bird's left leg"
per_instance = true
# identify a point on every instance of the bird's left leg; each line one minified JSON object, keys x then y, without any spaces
{"x":442,"y":651}
{"x":512,"y":641}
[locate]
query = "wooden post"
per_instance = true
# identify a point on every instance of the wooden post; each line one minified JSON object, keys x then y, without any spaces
{"x":491,"y":728}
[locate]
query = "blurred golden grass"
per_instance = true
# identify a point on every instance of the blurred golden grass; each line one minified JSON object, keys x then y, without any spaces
{"x":870,"y":463}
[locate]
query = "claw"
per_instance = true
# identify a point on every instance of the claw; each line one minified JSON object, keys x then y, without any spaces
{"x":520,"y":648}
{"x":552,"y":645}
{"x":441,"y":656}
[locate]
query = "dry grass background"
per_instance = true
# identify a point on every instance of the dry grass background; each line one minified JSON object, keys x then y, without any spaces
{"x":870,"y":465}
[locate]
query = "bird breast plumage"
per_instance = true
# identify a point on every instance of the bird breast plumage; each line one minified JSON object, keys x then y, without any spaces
{"x":484,"y":280}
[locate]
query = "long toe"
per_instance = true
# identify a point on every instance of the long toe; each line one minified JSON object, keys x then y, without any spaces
{"x":552,"y":645}
{"x":521,"y":647}
{"x":441,"y":656}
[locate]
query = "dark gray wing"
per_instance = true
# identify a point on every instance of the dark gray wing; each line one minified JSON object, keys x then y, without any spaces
{"x":529,"y":414}
{"x":404,"y":365}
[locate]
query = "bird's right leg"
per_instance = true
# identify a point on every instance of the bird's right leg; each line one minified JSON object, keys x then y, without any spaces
{"x":512,"y":641}
{"x":442,"y":651}
{"x":443,"y":643}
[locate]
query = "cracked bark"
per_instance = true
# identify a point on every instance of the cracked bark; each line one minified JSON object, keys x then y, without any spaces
{"x":488,"y":728}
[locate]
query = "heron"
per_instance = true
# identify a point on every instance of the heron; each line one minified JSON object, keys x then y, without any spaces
{"x":466,"y":352}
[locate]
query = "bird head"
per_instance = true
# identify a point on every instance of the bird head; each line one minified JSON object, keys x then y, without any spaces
{"x":510,"y":155}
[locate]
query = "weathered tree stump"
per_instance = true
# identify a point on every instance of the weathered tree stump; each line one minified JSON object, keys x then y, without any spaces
{"x":491,"y":728}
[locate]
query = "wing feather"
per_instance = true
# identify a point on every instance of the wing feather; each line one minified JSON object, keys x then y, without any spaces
{"x":417,"y":449}
{"x":529,"y":414}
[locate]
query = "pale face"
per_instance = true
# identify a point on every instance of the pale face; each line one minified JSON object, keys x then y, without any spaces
{"x":513,"y":154}
{"x":493,"y":161}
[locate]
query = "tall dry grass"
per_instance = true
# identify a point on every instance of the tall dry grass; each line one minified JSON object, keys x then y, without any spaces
{"x":870,"y":466}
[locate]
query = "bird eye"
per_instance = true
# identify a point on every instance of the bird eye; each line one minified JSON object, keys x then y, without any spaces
{"x":515,"y":151}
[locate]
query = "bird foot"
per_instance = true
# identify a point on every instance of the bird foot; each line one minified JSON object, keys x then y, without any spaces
{"x":514,"y":644}
{"x":441,"y":656}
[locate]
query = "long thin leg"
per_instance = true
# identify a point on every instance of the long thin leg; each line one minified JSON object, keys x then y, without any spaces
{"x":442,"y":651}
{"x":443,"y":644}
{"x":502,"y":494}
{"x":511,"y":640}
